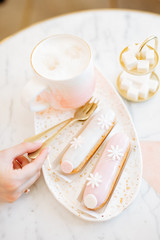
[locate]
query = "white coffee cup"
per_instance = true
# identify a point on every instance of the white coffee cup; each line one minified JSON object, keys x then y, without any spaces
{"x":63,"y":74}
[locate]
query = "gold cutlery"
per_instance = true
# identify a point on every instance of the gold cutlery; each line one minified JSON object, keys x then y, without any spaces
{"x":81,"y":114}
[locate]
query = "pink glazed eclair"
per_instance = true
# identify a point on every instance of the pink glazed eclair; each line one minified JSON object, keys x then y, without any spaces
{"x":101,"y":181}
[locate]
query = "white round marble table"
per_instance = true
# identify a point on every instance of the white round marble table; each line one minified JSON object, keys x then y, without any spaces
{"x":38,"y":215}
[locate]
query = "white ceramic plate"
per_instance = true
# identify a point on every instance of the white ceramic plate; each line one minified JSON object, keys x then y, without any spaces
{"x":69,"y":192}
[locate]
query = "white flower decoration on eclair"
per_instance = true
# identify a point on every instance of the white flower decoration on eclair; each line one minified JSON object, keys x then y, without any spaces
{"x":115,"y":152}
{"x":105,"y":121}
{"x":77,"y":142}
{"x":94,"y":180}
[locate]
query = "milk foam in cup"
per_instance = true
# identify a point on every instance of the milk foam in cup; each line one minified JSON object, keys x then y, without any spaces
{"x":63,"y":74}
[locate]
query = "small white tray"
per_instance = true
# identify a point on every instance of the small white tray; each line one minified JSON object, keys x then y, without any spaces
{"x":68,"y":191}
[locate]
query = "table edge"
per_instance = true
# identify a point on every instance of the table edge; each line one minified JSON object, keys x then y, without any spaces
{"x":76,"y":12}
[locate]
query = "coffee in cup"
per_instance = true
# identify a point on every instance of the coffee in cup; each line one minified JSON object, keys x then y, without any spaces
{"x":63,"y":74}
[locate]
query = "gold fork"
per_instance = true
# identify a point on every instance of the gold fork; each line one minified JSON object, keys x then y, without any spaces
{"x":42,"y":134}
{"x":81,"y":114}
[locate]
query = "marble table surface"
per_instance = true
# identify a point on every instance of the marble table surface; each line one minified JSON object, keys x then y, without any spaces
{"x":38,"y":215}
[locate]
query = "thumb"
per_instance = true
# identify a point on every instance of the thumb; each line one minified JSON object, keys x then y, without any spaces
{"x":22,"y":148}
{"x":35,"y":166}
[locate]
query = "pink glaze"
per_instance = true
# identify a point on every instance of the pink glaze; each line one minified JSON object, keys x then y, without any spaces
{"x":106,"y":170}
{"x":66,"y":167}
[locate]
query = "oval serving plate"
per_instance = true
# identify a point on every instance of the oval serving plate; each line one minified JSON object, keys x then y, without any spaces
{"x":68,"y":193}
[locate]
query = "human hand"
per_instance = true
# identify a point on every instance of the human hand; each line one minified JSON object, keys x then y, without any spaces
{"x":16,"y":173}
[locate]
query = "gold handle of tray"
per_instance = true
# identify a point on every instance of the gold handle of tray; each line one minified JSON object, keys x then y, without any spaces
{"x":145,"y":42}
